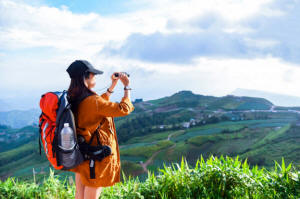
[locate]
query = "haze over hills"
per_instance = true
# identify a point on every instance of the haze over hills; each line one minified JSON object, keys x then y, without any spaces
{"x":19,"y":118}
{"x":276,"y":98}
{"x":18,"y":103}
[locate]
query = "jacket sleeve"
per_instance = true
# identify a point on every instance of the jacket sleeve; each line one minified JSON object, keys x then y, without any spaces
{"x":113,"y":109}
{"x":105,"y":96}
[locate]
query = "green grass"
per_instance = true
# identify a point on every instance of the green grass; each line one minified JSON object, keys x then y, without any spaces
{"x":150,"y":138}
{"x":222,"y":177}
{"x":51,"y":187}
{"x":146,"y":151}
{"x":199,"y":140}
{"x":130,"y":168}
{"x":272,"y":135}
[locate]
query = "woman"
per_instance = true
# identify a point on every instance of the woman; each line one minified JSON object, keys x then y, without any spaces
{"x":89,"y":110}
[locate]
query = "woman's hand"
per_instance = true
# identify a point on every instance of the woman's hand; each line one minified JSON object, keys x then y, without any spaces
{"x":114,"y":79}
{"x":125,"y":80}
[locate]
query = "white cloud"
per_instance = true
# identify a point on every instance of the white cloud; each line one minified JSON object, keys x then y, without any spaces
{"x":261,"y":44}
{"x":73,"y":36}
{"x":23,"y":25}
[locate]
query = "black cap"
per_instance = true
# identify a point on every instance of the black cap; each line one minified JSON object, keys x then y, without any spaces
{"x":79,"y":67}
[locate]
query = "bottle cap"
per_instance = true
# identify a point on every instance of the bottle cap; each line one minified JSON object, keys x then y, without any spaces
{"x":66,"y":124}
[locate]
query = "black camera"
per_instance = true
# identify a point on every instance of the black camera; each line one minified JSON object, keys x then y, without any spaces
{"x":117,"y":74}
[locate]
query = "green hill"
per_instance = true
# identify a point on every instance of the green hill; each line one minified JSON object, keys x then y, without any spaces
{"x":12,"y":138}
{"x":184,"y":99}
{"x":154,"y":135}
{"x":215,"y":178}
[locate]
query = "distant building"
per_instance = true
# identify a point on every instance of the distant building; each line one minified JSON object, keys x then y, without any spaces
{"x":192,"y":121}
{"x":161,"y":126}
{"x":186,"y":124}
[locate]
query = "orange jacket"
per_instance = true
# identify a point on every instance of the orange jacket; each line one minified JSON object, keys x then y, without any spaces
{"x":90,"y":113}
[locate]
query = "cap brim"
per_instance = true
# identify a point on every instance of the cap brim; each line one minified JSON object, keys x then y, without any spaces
{"x":99,"y":72}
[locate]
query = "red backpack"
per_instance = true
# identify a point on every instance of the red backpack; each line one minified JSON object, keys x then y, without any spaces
{"x":56,"y":111}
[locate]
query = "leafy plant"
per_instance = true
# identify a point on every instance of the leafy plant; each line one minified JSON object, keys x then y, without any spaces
{"x":222,"y":177}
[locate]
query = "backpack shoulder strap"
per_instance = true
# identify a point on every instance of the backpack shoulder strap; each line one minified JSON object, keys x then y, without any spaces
{"x":74,"y":104}
{"x":96,"y":133}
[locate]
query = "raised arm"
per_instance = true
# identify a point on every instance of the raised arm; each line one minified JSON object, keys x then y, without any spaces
{"x":110,"y":90}
{"x":114,"y":109}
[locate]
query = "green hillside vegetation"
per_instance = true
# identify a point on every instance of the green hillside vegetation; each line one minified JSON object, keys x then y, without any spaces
{"x":229,"y":102}
{"x":183,"y":106}
{"x":216,"y":178}
{"x":155,"y":136}
{"x":11,"y":138}
{"x":261,"y":141}
{"x":146,"y":151}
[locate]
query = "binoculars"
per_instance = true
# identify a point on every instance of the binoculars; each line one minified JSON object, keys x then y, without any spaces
{"x":117,"y":74}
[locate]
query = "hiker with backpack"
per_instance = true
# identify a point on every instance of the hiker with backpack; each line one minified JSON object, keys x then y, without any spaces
{"x":78,"y":132}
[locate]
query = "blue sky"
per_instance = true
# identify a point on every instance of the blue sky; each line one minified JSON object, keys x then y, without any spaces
{"x":102,"y":7}
{"x":209,"y":47}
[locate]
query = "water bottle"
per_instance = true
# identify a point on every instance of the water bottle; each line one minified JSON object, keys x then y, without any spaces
{"x":67,"y":143}
{"x":67,"y":137}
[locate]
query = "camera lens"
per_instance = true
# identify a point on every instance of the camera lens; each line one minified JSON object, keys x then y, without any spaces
{"x":117,"y":74}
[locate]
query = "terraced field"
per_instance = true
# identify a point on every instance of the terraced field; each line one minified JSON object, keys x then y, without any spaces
{"x":251,"y":138}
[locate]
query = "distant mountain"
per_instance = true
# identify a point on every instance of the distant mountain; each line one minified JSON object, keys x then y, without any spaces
{"x":277,"y":99}
{"x":19,"y":118}
{"x":19,"y":103}
{"x":187,"y":99}
{"x":4,"y":105}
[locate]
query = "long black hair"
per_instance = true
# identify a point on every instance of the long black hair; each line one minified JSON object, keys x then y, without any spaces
{"x":78,"y":91}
